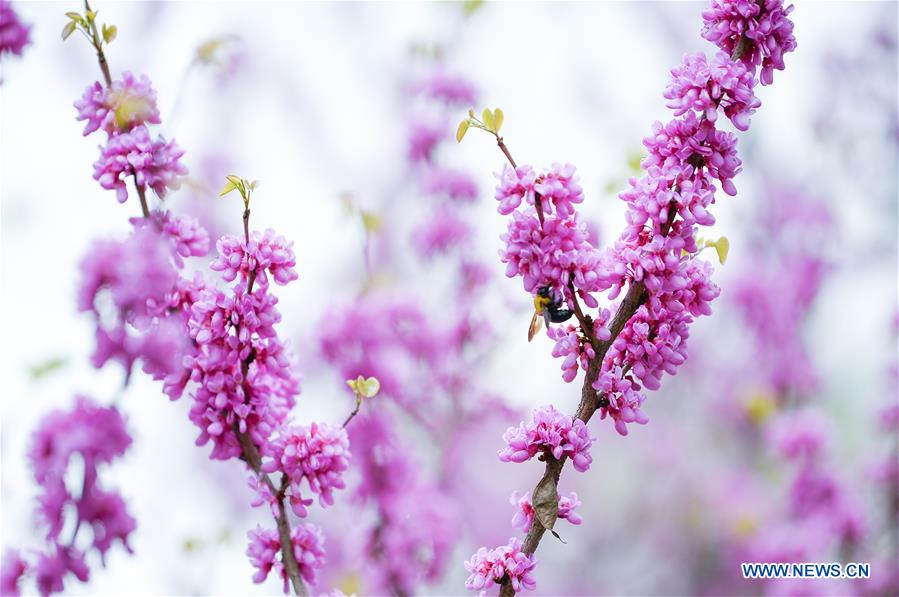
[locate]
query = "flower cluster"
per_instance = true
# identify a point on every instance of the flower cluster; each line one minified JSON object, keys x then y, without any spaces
{"x":96,"y":436}
{"x":759,"y":28}
{"x":268,"y":252}
{"x":524,"y":510}
{"x":320,"y":454}
{"x":153,"y":163}
{"x":704,"y":86}
{"x":549,"y":432}
{"x":265,"y":547}
{"x":14,"y":34}
{"x":123,"y":110}
{"x":505,"y":563}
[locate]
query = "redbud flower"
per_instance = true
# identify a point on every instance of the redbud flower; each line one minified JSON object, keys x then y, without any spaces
{"x":554,"y":254}
{"x":560,"y":187}
{"x":268,"y":252}
{"x":703,"y":87}
{"x":189,"y":237}
{"x":96,"y":433}
{"x":153,"y":163}
{"x":265,"y":548}
{"x":549,"y":431}
{"x":129,"y":102}
{"x":14,"y":35}
{"x":448,"y":88}
{"x":107,"y":514}
{"x":515,"y":185}
{"x":423,"y":138}
{"x":496,"y":564}
{"x":454,"y":184}
{"x":524,"y":510}
{"x":320,"y":454}
{"x":52,"y":568}
{"x":440,"y":233}
{"x":687,"y":144}
{"x":11,"y":571}
{"x":762,"y":24}
{"x":622,"y":399}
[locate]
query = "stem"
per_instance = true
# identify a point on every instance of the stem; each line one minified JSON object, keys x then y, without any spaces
{"x":142,"y":195}
{"x":98,"y":45}
{"x":505,"y":150}
{"x":251,"y":277}
{"x":355,"y":411}
{"x":251,"y":456}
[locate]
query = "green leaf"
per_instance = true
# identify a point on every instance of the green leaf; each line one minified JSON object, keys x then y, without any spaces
{"x":109,"y":33}
{"x":370,"y":387}
{"x":722,"y":247}
{"x":370,"y":221}
{"x":68,"y":30}
{"x":487,"y":117}
{"x":463,"y":128}
{"x":229,"y":186}
{"x":546,"y":502}
{"x":74,"y":16}
{"x":497,"y":120}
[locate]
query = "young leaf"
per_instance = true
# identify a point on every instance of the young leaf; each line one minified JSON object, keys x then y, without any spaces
{"x":722,"y":247}
{"x":368,"y":388}
{"x":487,"y":117}
{"x":463,"y":128}
{"x":229,"y":186}
{"x":74,"y":16}
{"x":109,"y":33}
{"x":68,"y":30}
{"x":497,"y":120}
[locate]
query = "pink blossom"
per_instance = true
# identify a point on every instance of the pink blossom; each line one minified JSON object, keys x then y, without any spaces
{"x":762,"y":25}
{"x":264,"y":551}
{"x":14,"y":34}
{"x":551,"y":432}
{"x":129,"y":102}
{"x":620,"y":399}
{"x":704,"y":87}
{"x":12,"y":570}
{"x":268,"y":252}
{"x":560,"y":187}
{"x":447,"y":88}
{"x":507,"y":561}
{"x":320,"y":454}
{"x":454,"y":184}
{"x":524,"y":510}
{"x":153,"y":164}
{"x":440,"y":233}
{"x":515,"y":185}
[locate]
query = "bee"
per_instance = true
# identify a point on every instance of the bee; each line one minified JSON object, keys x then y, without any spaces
{"x":548,"y":308}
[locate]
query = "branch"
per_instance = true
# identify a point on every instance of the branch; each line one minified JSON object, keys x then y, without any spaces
{"x":98,"y":45}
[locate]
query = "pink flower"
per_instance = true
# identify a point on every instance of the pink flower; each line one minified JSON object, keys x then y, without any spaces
{"x":448,"y":88}
{"x":153,"y":164}
{"x":14,"y":34}
{"x":515,"y":185}
{"x":524,"y":511}
{"x":620,"y":399}
{"x":762,"y":25}
{"x":552,"y":432}
{"x":440,"y":233}
{"x":129,"y":102}
{"x":12,"y":570}
{"x":507,"y":561}
{"x":320,"y":454}
{"x":453,"y":184}
{"x":265,"y":548}
{"x":703,"y":87}
{"x":268,"y":252}
{"x":560,"y":187}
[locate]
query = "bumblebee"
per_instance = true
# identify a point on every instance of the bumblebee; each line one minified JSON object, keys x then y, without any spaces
{"x":548,"y":308}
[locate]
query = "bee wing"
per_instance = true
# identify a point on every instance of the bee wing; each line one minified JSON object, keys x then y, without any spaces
{"x":536,"y":321}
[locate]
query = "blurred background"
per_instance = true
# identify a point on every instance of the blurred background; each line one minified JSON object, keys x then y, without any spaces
{"x":342,"y":111}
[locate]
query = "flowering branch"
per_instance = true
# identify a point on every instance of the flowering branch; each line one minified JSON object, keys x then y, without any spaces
{"x":655,"y":257}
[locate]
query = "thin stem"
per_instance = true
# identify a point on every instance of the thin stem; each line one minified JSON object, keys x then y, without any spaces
{"x":583,"y":320}
{"x":505,"y":150}
{"x":98,"y":45}
{"x":142,"y":195}
{"x":355,"y":411}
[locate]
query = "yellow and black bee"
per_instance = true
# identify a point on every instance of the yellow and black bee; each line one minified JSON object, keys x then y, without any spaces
{"x":548,"y":308}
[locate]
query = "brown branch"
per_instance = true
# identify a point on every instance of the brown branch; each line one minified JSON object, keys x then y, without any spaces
{"x":142,"y":195}
{"x":505,"y":150}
